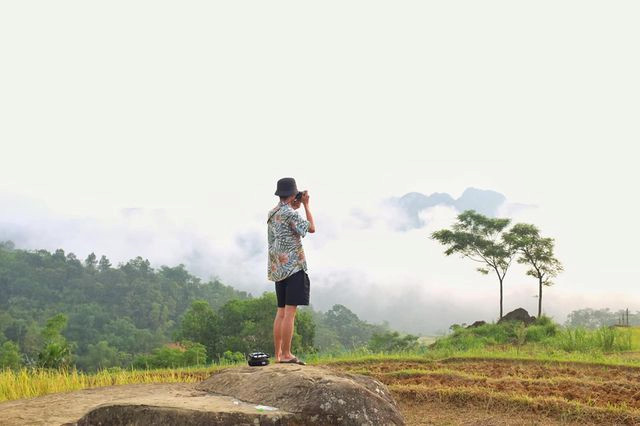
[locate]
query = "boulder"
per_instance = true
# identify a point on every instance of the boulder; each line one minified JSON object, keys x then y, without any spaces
{"x":519,"y":314}
{"x":315,"y":395}
{"x":138,"y":404}
{"x":477,"y":324}
{"x":280,"y":394}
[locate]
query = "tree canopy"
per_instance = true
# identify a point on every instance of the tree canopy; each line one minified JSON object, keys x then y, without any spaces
{"x":57,"y":311}
{"x":480,"y":239}
{"x":537,"y":253}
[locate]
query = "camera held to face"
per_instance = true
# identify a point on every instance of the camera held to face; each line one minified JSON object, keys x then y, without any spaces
{"x":299,"y":195}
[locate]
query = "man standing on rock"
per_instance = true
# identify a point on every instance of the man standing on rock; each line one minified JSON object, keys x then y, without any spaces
{"x":287,"y":264}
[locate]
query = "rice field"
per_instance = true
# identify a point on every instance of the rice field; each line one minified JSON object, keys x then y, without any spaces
{"x":476,"y":390}
{"x":26,"y":383}
{"x":498,"y":385}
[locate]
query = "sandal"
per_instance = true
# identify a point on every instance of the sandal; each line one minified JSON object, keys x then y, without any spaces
{"x":293,"y":360}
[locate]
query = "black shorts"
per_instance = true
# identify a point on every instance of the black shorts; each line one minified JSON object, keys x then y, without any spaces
{"x":293,"y":290}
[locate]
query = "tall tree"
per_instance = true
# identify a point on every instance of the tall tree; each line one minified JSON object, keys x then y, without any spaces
{"x":201,"y":324}
{"x":90,"y":262}
{"x":480,"y":238}
{"x":57,"y":351}
{"x":104,"y":264}
{"x":536,"y":252}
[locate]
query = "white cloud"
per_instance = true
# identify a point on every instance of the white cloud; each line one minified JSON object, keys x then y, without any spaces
{"x":190,"y":114}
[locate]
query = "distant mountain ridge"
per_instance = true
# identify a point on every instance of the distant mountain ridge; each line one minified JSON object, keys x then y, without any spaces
{"x":483,"y":201}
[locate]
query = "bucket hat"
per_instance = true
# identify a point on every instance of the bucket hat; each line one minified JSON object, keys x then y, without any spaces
{"x":286,"y":187}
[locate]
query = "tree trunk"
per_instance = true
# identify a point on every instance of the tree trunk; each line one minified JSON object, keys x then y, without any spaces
{"x":540,"y":297}
{"x":500,"y":299}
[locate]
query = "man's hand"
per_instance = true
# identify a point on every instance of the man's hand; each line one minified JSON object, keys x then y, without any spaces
{"x":305,"y":198}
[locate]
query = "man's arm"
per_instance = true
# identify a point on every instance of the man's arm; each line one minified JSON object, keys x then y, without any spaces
{"x":307,"y":210}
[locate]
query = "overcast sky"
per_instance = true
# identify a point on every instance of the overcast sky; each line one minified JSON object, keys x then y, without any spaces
{"x":160,"y":129}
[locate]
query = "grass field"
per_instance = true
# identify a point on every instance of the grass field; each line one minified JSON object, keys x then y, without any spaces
{"x":491,"y":390}
{"x":497,"y":384}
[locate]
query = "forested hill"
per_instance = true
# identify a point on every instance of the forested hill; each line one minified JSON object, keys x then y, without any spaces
{"x":38,"y":284}
{"x":106,"y":315}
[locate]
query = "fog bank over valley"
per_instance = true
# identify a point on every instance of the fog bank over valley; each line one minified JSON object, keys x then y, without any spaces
{"x":375,"y":258}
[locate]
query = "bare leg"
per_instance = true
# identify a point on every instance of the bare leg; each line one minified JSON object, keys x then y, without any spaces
{"x":287,"y":331}
{"x":277,"y":334}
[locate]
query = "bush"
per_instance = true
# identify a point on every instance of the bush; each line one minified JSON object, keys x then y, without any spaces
{"x":391,"y":341}
{"x":229,"y":357}
{"x":605,"y":339}
{"x":9,"y":355}
{"x":543,"y":331}
{"x":165,"y":357}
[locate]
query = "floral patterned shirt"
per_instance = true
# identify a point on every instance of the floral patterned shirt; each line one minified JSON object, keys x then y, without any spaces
{"x":285,"y":228}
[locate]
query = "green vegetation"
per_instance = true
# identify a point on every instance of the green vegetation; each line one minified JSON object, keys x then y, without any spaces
{"x":30,"y":382}
{"x":480,"y":239}
{"x":543,"y":336}
{"x":58,"y":312}
{"x":594,"y":318}
{"x":339,"y":330}
{"x":392,"y":341}
{"x":537,"y":253}
{"x":487,"y":241}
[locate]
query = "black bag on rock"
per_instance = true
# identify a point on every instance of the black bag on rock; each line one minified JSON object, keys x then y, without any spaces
{"x":258,"y":359}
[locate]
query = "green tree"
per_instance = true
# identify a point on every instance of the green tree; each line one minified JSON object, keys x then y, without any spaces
{"x":536,"y":252}
{"x":202,"y":325}
{"x":53,"y":328}
{"x":247,"y":326}
{"x":480,"y":238}
{"x":9,"y":355}
{"x":56,"y":352}
{"x":196,"y":353}
{"x":104,"y":264}
{"x":596,"y":318}
{"x":136,"y":309}
{"x":391,"y":341}
{"x":341,"y":324}
{"x":90,"y":262}
{"x":306,"y":329}
{"x":101,"y":355}
{"x":229,"y":357}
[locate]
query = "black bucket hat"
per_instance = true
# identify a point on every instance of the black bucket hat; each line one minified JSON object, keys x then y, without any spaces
{"x":286,"y":187}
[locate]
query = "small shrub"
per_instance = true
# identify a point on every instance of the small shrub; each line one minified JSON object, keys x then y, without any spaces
{"x":521,"y":334}
{"x":229,"y":357}
{"x":575,"y":339}
{"x":606,"y":338}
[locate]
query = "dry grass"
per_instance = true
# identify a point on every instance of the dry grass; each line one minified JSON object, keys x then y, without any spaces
{"x":29,"y":383}
{"x":544,"y":392}
{"x":463,"y":390}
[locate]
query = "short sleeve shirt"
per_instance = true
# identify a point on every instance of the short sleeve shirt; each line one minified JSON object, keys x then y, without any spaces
{"x":285,"y":229}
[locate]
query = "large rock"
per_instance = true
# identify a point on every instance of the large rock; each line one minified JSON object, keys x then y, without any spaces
{"x":518,"y":315}
{"x":314,"y":394}
{"x":279,"y":394}
{"x":138,"y":404}
{"x":477,"y":324}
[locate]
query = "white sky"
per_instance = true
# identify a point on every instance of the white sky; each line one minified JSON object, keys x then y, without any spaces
{"x":196,"y":109}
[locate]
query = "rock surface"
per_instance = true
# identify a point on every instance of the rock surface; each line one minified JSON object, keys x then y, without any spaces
{"x":140,"y":404}
{"x":477,"y":324}
{"x":519,"y":314}
{"x":280,"y":394}
{"x":316,"y":395}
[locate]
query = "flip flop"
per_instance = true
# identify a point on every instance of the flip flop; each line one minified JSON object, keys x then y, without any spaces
{"x":293,"y":360}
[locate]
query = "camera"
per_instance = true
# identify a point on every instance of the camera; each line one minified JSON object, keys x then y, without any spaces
{"x":299,"y":195}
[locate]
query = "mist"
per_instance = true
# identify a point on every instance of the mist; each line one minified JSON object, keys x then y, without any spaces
{"x":376,"y":258}
{"x":161,"y":133}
